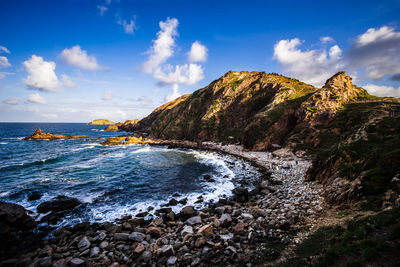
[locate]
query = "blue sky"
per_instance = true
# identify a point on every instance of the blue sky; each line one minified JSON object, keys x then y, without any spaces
{"x":74,"y":61}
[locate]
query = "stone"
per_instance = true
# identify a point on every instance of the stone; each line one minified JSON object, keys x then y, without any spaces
{"x":257,"y":212}
{"x":83,"y":244}
{"x":140,"y":248}
{"x":103,"y":244}
{"x":121,"y":236}
{"x":157,"y":221}
{"x":194,"y":220}
{"x":200,"y":242}
{"x":137,"y":237}
{"x":187,"y":211}
{"x":171,"y":260}
{"x":154,"y":231}
{"x":76,"y":262}
{"x":167,"y":250}
{"x":45,"y":262}
{"x":206,"y":230}
{"x":187,"y":230}
{"x":94,"y":251}
{"x":61,"y":203}
{"x":35,"y":196}
{"x":239,"y":228}
{"x":146,"y":256}
{"x":173,"y":202}
{"x":225,"y":219}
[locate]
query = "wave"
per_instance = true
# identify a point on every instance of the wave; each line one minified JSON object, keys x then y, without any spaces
{"x":3,"y":143}
{"x":33,"y":163}
{"x":82,"y":148}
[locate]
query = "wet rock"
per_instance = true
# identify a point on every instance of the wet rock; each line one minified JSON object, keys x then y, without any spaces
{"x":45,"y":262}
{"x":187,"y":212}
{"x":146,"y":256}
{"x":61,"y":203}
{"x":103,"y":245}
{"x":239,"y":228}
{"x":142,"y":214}
{"x":173,"y":202}
{"x":35,"y":196}
{"x":121,"y":236}
{"x":137,"y":237}
{"x":242,"y":193}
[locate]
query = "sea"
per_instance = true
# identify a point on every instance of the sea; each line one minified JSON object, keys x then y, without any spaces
{"x":110,"y":181}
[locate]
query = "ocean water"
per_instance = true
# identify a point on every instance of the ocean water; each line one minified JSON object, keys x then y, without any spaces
{"x":111,"y":182}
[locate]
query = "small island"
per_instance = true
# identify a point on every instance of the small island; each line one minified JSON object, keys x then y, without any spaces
{"x":101,"y":122}
{"x":40,"y":135}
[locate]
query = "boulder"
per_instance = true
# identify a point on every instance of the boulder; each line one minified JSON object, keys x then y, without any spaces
{"x":61,"y":203}
{"x":187,"y":212}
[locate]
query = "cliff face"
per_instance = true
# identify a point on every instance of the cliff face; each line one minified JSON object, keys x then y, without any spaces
{"x":224,"y":108}
{"x":350,"y":133}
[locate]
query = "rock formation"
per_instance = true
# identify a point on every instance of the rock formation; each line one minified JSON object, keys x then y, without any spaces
{"x":101,"y":122}
{"x":40,"y":135}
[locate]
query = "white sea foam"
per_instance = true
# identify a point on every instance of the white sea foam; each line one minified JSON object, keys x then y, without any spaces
{"x":4,"y":194}
{"x":82,"y":148}
{"x":3,"y":143}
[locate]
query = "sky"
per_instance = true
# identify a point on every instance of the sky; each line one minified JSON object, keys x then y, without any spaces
{"x":77,"y":60}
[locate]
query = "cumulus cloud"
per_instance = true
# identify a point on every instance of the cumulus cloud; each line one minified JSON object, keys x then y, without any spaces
{"x":198,"y":52}
{"x":162,"y":48}
{"x":180,"y":74}
{"x":311,"y":66}
{"x":13,"y":101}
{"x":4,"y":62}
{"x":375,"y":53}
{"x":36,"y":99}
{"x":4,"y":49}
{"x":107,"y":96}
{"x":102,"y":9}
{"x":381,"y":90}
{"x":41,"y":74}
{"x":77,"y":57}
{"x":326,"y":39}
{"x":67,"y":82}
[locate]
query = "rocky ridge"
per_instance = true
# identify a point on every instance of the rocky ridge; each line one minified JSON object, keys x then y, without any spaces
{"x":101,"y":122}
{"x":40,"y":135}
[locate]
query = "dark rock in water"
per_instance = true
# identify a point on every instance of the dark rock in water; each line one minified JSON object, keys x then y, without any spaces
{"x":61,"y":203}
{"x":173,"y":202}
{"x":241,"y":193}
{"x":183,"y":201}
{"x":142,"y":214}
{"x":53,"y":217}
{"x":164,"y":210}
{"x":34,"y":196}
{"x":16,"y":229}
{"x":176,"y":195}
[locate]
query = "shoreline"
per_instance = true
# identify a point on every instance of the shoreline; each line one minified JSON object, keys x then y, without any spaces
{"x":246,"y":218}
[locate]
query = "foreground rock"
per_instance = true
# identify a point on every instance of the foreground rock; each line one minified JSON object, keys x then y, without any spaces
{"x":61,"y":203}
{"x":40,"y":135}
{"x":16,"y":229}
{"x":229,"y":232}
{"x":101,"y":122}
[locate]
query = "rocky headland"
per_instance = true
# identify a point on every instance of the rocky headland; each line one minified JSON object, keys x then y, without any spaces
{"x":40,"y":135}
{"x":329,"y":195}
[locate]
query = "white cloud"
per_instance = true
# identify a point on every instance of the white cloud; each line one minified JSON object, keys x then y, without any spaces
{"x":4,"y":62}
{"x":198,"y":52}
{"x":175,"y":94}
{"x":374,"y":35}
{"x":145,"y":99}
{"x":107,"y":95}
{"x":36,"y":99}
{"x":41,"y":74}
{"x":4,"y":74}
{"x":14,"y":101}
{"x":67,"y":82}
{"x":4,"y":49}
{"x":130,"y":27}
{"x":77,"y":57}
{"x":326,"y":39}
{"x":312,"y":66}
{"x":102,"y":9}
{"x":375,"y":53}
{"x":182,"y":74}
{"x":380,"y":90}
{"x":162,"y":48}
